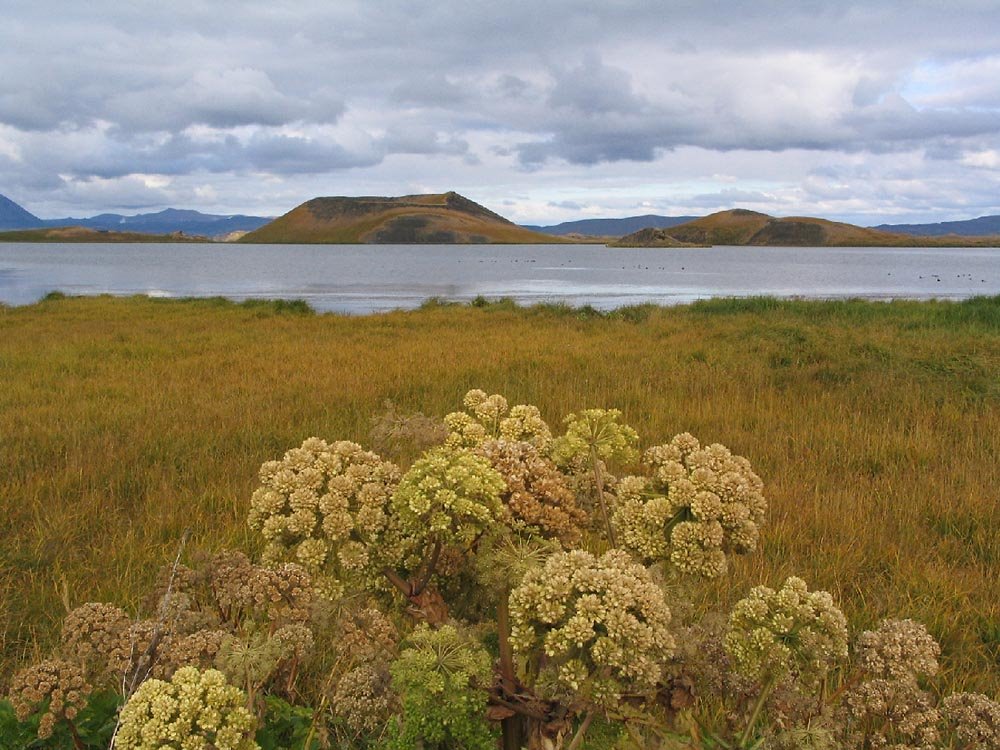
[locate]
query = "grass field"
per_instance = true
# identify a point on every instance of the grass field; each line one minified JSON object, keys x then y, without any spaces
{"x":876,"y":428}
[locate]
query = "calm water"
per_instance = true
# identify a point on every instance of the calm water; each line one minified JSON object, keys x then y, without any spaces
{"x":366,"y":278}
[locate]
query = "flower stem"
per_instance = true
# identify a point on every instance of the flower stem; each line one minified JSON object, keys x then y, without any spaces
{"x":764,"y":693}
{"x":595,"y":462}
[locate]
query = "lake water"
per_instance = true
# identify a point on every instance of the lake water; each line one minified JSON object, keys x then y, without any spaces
{"x":373,"y":278}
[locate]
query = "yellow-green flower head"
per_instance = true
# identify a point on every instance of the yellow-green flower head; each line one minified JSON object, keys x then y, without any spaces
{"x":791,"y":630}
{"x":451,"y":496}
{"x":196,"y":709}
{"x":698,"y":505}
{"x":442,"y":678}
{"x":490,"y":418}
{"x":595,"y":430}
{"x":598,"y":626}
{"x":320,"y":503}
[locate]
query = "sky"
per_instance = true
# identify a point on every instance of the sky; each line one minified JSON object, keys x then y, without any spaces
{"x":542,"y":110}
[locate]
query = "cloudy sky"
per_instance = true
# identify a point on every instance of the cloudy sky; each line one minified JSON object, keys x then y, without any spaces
{"x":543,"y":110}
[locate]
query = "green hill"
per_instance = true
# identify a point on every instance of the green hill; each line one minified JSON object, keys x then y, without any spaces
{"x":742,"y":227}
{"x":446,"y":218}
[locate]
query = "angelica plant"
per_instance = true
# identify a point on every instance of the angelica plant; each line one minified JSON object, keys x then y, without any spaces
{"x":442,"y":677}
{"x":195,"y":709}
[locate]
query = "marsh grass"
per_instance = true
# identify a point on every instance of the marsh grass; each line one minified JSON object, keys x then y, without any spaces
{"x":875,"y":426}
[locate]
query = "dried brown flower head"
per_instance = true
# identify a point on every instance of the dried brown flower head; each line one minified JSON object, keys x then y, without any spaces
{"x":58,"y":683}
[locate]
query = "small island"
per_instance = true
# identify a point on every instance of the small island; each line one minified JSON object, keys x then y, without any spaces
{"x":83,"y":234}
{"x":742,"y":227}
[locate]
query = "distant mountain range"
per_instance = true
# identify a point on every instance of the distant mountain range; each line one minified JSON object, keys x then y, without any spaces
{"x":168,"y":221}
{"x":611,"y":227}
{"x":982,"y":227}
{"x":452,"y":218}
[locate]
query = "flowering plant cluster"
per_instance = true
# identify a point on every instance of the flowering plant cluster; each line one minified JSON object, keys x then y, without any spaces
{"x":536,"y":498}
{"x":451,"y":495}
{"x":697,"y":505}
{"x":442,"y":676}
{"x":324,"y":506}
{"x":490,"y":417}
{"x":596,"y":626}
{"x":504,"y":588}
{"x":595,"y":431}
{"x":791,"y":630}
{"x":194,"y":710}
{"x":57,"y":687}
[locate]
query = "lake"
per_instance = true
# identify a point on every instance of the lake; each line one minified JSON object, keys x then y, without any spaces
{"x":374,"y":278}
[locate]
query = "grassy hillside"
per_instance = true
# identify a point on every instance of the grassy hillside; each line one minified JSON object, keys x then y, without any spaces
{"x":125,"y":421}
{"x":83,"y":234}
{"x":441,"y":218}
{"x":742,"y":227}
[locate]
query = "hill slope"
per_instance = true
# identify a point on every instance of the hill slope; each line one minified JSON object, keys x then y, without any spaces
{"x":981,"y":227}
{"x":742,"y":227}
{"x":440,"y":218}
{"x":612,"y":227}
{"x":12,"y":216}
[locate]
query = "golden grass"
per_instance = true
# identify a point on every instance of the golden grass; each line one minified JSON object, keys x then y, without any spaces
{"x":876,"y":428}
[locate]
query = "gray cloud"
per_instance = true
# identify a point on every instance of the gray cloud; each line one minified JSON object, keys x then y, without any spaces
{"x":526,"y":95}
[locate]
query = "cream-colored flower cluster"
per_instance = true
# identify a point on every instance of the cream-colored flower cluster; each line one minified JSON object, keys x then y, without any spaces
{"x":537,"y":498}
{"x":891,"y":715}
{"x":601,"y":623}
{"x":363,"y":699}
{"x":788,"y":631}
{"x":490,"y":417}
{"x":898,"y":650}
{"x":697,"y":505}
{"x":595,"y":431}
{"x":324,"y":505}
{"x":974,"y":718}
{"x":451,"y":495}
{"x":194,"y":711}
{"x":55,"y":684}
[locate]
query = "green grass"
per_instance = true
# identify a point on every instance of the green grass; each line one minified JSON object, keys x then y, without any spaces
{"x":874,"y":426}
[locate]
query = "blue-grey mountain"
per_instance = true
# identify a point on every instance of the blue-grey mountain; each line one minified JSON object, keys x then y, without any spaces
{"x":982,"y":227}
{"x":12,"y":216}
{"x":612,"y":227}
{"x":168,"y":221}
